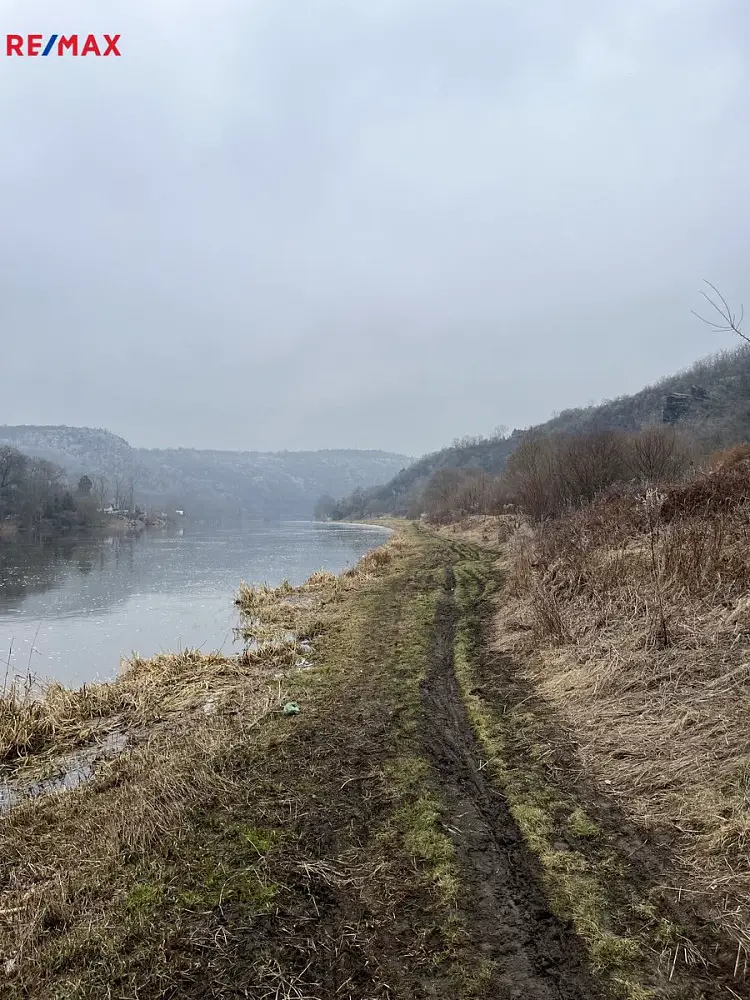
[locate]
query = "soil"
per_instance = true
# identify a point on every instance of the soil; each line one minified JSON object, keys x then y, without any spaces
{"x":707,"y":969}
{"x":315,"y":874}
{"x":537,"y":957}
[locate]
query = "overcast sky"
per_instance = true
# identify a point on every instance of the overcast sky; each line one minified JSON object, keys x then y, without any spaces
{"x":364,"y":223}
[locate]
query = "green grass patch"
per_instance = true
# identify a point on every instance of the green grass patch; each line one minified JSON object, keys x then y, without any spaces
{"x":416,"y":828}
{"x":144,"y":898}
{"x":581,"y":874}
{"x":580,"y":825}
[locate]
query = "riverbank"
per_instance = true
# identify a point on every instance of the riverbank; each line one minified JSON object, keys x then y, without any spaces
{"x":12,"y":531}
{"x":627,"y":628}
{"x":370,"y":802}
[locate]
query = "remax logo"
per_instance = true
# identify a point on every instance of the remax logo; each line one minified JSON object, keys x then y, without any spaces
{"x":62,"y":45}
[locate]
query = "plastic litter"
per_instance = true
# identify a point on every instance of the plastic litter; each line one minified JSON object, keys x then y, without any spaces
{"x":292,"y":708}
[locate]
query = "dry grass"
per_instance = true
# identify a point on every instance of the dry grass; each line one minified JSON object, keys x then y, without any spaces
{"x":181,"y":711}
{"x":38,"y":725}
{"x":139,"y":796}
{"x":486,"y":530}
{"x":204,"y":850}
{"x":633,"y":616}
{"x":279,"y":625}
{"x":730,"y":457}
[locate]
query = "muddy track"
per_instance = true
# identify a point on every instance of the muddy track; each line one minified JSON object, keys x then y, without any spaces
{"x":535,"y":955}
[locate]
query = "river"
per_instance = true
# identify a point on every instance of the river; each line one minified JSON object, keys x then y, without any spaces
{"x":72,"y":610}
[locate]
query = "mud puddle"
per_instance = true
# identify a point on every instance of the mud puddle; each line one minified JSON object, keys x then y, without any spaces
{"x":69,"y":772}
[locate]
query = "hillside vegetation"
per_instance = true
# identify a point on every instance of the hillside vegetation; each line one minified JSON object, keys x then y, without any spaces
{"x":36,"y":496}
{"x":628,"y":618}
{"x":624,"y":608}
{"x":711,"y":399}
{"x":402,"y":494}
{"x":709,"y":402}
{"x":205,"y":483}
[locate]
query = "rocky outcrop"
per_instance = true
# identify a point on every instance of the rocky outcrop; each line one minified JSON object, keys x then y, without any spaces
{"x":678,"y":405}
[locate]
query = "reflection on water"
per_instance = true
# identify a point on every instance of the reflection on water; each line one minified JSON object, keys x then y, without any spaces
{"x":70,"y":772}
{"x":71,"y":610}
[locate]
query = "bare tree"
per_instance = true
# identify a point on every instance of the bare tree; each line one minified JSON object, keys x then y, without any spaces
{"x":589,"y":463}
{"x":118,"y":492}
{"x":100,"y":490}
{"x":731,"y":322}
{"x":12,"y":466}
{"x":439,"y":491}
{"x":657,"y":454}
{"x":532,"y":476}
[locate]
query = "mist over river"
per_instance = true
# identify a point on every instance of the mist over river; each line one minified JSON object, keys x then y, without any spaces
{"x":72,"y":609}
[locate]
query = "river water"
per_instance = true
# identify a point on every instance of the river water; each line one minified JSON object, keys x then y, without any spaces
{"x":73,"y":610}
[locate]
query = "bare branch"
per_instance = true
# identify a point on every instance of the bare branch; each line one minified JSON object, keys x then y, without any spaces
{"x":731,"y":322}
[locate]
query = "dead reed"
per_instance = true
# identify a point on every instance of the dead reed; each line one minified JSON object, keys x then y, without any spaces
{"x":81,"y":872}
{"x":633,"y":615}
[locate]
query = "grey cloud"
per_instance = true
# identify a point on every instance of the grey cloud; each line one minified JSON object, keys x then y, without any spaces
{"x":330,"y":224}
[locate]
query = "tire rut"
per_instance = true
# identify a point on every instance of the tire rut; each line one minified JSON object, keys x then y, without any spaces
{"x":535,"y":955}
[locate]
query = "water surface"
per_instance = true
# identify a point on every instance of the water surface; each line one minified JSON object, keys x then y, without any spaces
{"x":72,"y":610}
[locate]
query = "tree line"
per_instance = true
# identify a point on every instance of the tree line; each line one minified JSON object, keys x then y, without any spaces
{"x":35,"y":495}
{"x":549,"y":474}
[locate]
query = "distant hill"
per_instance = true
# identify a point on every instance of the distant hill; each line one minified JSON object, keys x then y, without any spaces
{"x":400,"y":495}
{"x":711,"y":399}
{"x":207,"y":483}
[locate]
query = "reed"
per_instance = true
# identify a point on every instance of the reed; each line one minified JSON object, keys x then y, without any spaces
{"x":633,"y":618}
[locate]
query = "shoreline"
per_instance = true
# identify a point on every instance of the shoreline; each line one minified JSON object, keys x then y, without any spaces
{"x":29,"y":710}
{"x":373,"y":793}
{"x":10,"y":532}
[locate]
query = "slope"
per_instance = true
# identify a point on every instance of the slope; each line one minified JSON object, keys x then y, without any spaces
{"x":711,"y":399}
{"x":206,"y":483}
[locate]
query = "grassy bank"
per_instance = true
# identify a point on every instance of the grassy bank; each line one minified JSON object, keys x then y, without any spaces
{"x":232,"y":849}
{"x":611,"y":695}
{"x":379,"y":798}
{"x":633,"y":617}
{"x":598,"y":869}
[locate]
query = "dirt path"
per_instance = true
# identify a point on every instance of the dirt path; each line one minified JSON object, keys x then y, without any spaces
{"x":535,"y":956}
{"x":356,"y":851}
